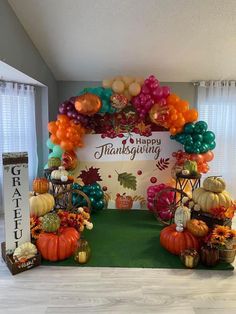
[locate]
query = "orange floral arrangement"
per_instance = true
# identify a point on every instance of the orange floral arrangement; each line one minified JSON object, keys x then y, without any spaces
{"x":221,"y":236}
{"x":77,"y":220}
{"x":223,"y":212}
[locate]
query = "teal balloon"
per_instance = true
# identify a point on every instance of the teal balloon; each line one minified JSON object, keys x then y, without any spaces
{"x":197,"y":137}
{"x":52,"y":154}
{"x":212,"y":145}
{"x":188,"y":140}
{"x":197,"y":151}
{"x":200,"y":127}
{"x":208,"y":137}
{"x":57,"y":151}
{"x":189,"y":128}
{"x":86,"y":189}
{"x":46,"y":166}
{"x":188,"y":149}
{"x":197,"y":144}
{"x":204,"y":148}
{"x":98,"y":195}
{"x":99,"y":205}
{"x":76,"y":186}
{"x":50,"y":144}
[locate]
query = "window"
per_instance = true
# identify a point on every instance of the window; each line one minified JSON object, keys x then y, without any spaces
{"x":17,"y":123}
{"x":217,"y":106}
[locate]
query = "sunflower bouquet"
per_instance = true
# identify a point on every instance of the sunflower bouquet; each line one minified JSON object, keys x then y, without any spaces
{"x":221,"y":237}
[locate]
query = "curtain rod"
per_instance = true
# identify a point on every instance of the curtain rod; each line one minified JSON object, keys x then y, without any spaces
{"x":15,"y":82}
{"x":208,"y":82}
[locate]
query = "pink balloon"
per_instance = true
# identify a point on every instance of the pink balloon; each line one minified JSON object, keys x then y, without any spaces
{"x":165,"y":91}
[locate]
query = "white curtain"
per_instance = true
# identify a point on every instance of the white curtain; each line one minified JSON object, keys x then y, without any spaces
{"x":17,"y":124}
{"x":216,"y":102}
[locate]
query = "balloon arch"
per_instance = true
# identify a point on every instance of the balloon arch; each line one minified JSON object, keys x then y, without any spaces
{"x":104,"y":110}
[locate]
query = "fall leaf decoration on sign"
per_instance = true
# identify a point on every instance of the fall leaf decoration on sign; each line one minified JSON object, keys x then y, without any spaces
{"x":142,"y":128}
{"x":127,"y":180}
{"x":163,"y":164}
{"x":90,"y":176}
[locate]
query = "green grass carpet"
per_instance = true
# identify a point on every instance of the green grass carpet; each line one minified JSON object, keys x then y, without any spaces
{"x":128,"y":239}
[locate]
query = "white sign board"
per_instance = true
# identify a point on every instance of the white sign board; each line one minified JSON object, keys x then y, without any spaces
{"x":148,"y":160}
{"x":16,"y":199}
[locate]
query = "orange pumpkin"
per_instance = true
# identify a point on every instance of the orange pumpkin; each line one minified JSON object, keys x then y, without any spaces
{"x":57,"y":247}
{"x":197,"y":227}
{"x":175,"y":242}
{"x":40,"y":185}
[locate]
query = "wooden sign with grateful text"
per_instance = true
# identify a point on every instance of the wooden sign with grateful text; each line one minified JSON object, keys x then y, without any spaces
{"x":16,"y":199}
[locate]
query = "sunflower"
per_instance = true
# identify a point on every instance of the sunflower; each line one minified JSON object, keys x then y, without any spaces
{"x":35,"y":232}
{"x":32,"y":222}
{"x":220,"y":234}
{"x":71,"y":216}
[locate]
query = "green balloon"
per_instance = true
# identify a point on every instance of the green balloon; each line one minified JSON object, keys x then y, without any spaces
{"x":201,"y":127}
{"x":46,"y":166}
{"x":188,"y":149}
{"x":208,"y":137}
{"x":50,"y":144}
{"x":189,"y":128}
{"x":197,"y":144}
{"x":98,"y":195}
{"x":204,"y":148}
{"x":188,"y":140}
{"x":86,"y":189}
{"x":212,"y":145}
{"x":99,"y":205}
{"x":52,"y":154}
{"x":57,"y":151}
{"x":197,"y":137}
{"x":197,"y":151}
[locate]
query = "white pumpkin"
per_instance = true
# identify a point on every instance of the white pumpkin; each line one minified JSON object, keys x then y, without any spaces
{"x":208,"y":200}
{"x":214,"y":184}
{"x":40,"y":204}
{"x":25,"y":251}
{"x":182,"y":215}
{"x":58,"y":174}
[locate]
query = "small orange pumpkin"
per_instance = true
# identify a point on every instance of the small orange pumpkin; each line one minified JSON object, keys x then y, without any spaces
{"x":40,"y":185}
{"x":197,"y":227}
{"x":175,"y":242}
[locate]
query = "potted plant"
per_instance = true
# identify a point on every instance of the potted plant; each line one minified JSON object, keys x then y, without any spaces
{"x":223,"y":238}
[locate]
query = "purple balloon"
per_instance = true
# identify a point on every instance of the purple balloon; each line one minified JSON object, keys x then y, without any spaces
{"x":70,"y":106}
{"x":62,"y":110}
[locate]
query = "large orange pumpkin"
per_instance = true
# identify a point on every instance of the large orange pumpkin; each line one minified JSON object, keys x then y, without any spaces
{"x":175,"y":242}
{"x":57,"y":247}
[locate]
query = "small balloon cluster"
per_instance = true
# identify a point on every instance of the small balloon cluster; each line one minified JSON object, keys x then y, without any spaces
{"x":160,"y":205}
{"x":150,"y":94}
{"x":201,"y":159}
{"x":125,"y":85}
{"x":178,"y":114}
{"x":195,"y":138}
{"x":66,"y":133}
{"x":104,"y":95}
{"x":68,"y":108}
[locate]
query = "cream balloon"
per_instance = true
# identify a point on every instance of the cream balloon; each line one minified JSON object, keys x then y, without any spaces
{"x":118,"y":86}
{"x":127,"y":80}
{"x":107,"y":83}
{"x":127,"y":94}
{"x":134,"y":89}
{"x":139,"y":80}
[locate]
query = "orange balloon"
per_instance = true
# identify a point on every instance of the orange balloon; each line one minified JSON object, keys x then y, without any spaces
{"x":61,"y":134}
{"x":88,"y":104}
{"x":54,"y":139}
{"x":182,"y":106}
{"x":208,"y":156}
{"x":63,"y":119}
{"x":172,"y":99}
{"x":52,"y":127}
{"x":67,"y":145}
{"x":180,"y":121}
{"x":191,"y":115}
{"x":173,"y":130}
{"x":197,"y":157}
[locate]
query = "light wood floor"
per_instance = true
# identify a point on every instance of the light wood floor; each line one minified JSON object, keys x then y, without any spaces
{"x":116,"y":290}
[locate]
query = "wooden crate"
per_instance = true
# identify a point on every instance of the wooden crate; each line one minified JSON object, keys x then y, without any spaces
{"x":17,"y":267}
{"x":210,"y":220}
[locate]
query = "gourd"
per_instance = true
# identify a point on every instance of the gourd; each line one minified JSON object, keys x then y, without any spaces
{"x":197,"y":227}
{"x":25,"y":251}
{"x":54,"y":162}
{"x":214,"y":184}
{"x":175,"y":242}
{"x":57,"y":247}
{"x":40,"y":204}
{"x":59,"y":174}
{"x":51,"y":222}
{"x":208,"y":200}
{"x":40,"y":185}
{"x":182,"y":215}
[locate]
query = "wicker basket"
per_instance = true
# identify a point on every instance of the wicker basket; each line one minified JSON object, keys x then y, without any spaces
{"x":64,"y":200}
{"x":227,"y":256}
